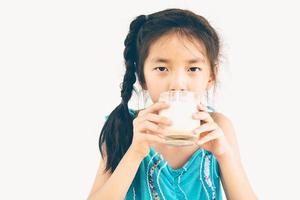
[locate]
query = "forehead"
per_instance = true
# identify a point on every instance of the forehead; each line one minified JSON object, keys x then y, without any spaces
{"x":176,"y":46}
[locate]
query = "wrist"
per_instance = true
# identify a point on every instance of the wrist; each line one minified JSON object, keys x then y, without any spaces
{"x":227,"y":155}
{"x":137,"y":153}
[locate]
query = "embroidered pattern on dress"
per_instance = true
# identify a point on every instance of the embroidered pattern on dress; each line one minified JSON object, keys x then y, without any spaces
{"x":134,"y":195}
{"x":207,"y":176}
{"x":151,"y":182}
{"x":157,"y":179}
{"x":179,"y":184}
{"x":200,"y":173}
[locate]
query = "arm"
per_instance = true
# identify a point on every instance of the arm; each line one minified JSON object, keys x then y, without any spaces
{"x":146,"y":131}
{"x":107,"y":186}
{"x":233,"y":176}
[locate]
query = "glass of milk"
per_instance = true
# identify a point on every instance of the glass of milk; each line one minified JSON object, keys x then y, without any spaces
{"x":182,"y":106}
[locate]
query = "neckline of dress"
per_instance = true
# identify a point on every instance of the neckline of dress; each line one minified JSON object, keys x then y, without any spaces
{"x":178,"y":170}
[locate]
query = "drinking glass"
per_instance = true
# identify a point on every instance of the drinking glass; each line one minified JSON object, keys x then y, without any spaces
{"x":182,"y":106}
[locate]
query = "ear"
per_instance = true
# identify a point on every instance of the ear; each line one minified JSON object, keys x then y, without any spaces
{"x":210,"y":83}
{"x":212,"y":78}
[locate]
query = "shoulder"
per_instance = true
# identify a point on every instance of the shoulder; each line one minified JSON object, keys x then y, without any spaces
{"x":228,"y":129}
{"x":222,"y":120}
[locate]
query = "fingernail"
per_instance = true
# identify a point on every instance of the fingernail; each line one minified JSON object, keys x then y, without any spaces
{"x":202,"y":106}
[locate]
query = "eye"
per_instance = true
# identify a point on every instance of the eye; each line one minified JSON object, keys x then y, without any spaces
{"x":194,"y":69}
{"x":161,"y":69}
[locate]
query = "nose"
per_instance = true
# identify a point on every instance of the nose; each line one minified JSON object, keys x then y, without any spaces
{"x":178,"y":82}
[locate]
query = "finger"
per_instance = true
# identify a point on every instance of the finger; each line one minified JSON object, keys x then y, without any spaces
{"x":205,"y":128}
{"x":149,"y":126}
{"x":203,"y":116}
{"x":201,"y":107}
{"x":156,"y":119}
{"x":209,"y":137}
{"x":155,"y":138}
{"x":154,"y":108}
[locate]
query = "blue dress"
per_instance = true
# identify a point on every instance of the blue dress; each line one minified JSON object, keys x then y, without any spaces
{"x":198,"y":179}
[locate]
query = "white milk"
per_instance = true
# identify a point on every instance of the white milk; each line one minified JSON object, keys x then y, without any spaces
{"x":182,"y":105}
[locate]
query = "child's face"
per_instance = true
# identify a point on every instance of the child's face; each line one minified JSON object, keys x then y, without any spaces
{"x":176,"y":63}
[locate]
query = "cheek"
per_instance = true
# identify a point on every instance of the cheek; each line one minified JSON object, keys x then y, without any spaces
{"x":155,"y":90}
{"x":154,"y":97}
{"x":198,"y":85}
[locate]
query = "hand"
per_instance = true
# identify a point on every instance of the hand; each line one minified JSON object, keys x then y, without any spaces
{"x":210,"y":135}
{"x":147,"y":128}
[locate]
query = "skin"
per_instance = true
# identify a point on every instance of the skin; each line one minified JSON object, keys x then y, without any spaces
{"x":176,"y":63}
{"x":179,"y":63}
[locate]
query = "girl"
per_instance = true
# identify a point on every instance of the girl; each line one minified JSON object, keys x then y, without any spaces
{"x":169,"y":50}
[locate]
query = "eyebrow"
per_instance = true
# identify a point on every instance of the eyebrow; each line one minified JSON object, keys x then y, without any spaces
{"x":165,"y":60}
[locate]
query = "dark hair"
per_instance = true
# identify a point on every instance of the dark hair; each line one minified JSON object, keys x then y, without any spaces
{"x":117,"y":132}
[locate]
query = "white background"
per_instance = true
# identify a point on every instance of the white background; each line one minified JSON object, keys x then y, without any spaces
{"x":61,"y":67}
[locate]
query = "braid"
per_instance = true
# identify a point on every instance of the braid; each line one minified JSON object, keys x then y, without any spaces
{"x":131,"y":58}
{"x":116,"y":134}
